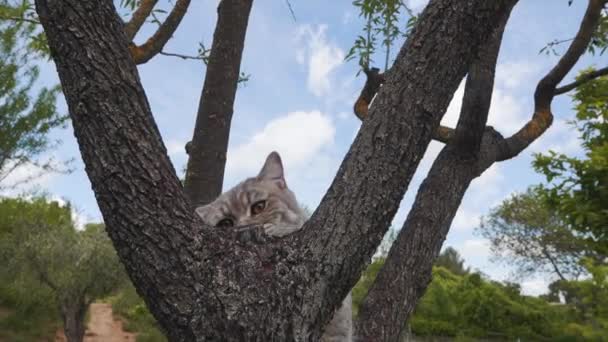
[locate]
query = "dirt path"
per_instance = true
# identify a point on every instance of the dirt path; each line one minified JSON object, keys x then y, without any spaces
{"x":102,"y":327}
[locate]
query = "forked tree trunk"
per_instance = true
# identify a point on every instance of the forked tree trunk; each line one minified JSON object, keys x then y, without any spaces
{"x":200,"y":283}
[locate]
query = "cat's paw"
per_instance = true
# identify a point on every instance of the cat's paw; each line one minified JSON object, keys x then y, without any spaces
{"x":279,"y":230}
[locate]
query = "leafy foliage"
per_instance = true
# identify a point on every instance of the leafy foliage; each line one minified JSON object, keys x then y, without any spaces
{"x":131,"y":307}
{"x":451,"y":260}
{"x":526,"y":233}
{"x":25,"y":120}
{"x":577,"y":187}
{"x":382,"y":23}
{"x":470,"y":306}
{"x":41,"y":251}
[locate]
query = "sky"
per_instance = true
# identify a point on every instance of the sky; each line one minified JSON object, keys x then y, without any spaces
{"x":298,"y":101}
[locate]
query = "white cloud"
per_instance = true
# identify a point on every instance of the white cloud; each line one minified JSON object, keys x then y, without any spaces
{"x":79,"y":218}
{"x":475,"y":249}
{"x":320,"y":56}
{"x":175,"y":147}
{"x":297,"y":136}
{"x":534,"y":287}
{"x":561,"y":137}
{"x":465,"y":220}
{"x":512,"y":75}
{"x":453,"y":112}
{"x":417,"y":5}
{"x":506,"y":111}
{"x":347,"y":18}
{"x":487,"y":188}
{"x":26,"y":178}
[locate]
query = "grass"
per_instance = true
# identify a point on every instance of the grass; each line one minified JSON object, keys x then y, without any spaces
{"x":137,"y":319}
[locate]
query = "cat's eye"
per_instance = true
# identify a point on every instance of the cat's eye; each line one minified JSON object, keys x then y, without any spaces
{"x":258,"y":207}
{"x":225,"y":223}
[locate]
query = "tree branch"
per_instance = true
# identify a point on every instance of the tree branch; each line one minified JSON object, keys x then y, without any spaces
{"x":179,"y":55}
{"x":392,"y":140}
{"x":407,"y":269}
{"x":18,"y":19}
{"x":546,"y":88}
{"x":582,"y":79}
{"x":372,"y":84}
{"x":139,"y":18}
{"x":374,"y":80}
{"x":154,"y":45}
{"x":207,"y":152}
{"x":443,"y":134}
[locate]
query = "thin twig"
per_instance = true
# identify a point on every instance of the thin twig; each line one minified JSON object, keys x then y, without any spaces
{"x":171,"y":54}
{"x":293,"y":14}
{"x":21,"y":19}
{"x":581,"y":80}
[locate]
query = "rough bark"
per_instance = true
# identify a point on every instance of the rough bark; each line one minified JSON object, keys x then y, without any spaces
{"x":201,"y":283}
{"x":407,"y":269}
{"x":73,"y":311}
{"x":359,"y":206}
{"x":470,"y":150}
{"x":207,"y":150}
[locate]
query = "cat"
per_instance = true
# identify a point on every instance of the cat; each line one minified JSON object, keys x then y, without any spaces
{"x":266,"y":200}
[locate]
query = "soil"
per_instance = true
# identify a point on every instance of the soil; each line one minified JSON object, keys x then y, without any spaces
{"x":102,"y":326}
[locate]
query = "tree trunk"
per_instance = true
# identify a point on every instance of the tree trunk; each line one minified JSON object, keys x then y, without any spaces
{"x":207,"y":151}
{"x":72,"y":314}
{"x":201,"y":283}
{"x":407,"y":269}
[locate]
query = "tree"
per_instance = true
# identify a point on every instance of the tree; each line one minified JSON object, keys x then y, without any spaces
{"x":200,"y":282}
{"x":451,"y":260}
{"x":524,"y":231}
{"x":78,"y":267}
{"x":25,"y":120}
{"x":577,"y":188}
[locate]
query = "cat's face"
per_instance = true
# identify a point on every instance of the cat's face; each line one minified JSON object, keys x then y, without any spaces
{"x":264,"y":199}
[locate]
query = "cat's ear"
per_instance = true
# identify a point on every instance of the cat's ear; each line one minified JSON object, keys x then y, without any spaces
{"x":273,"y":169}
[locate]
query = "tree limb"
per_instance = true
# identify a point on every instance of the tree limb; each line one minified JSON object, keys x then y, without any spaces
{"x":443,"y":134}
{"x":18,"y":19}
{"x":407,"y":269}
{"x":154,"y":45}
{"x":139,"y":18}
{"x":179,"y":55}
{"x":374,"y":80}
{"x":582,"y":79}
{"x":546,"y":88}
{"x":207,"y":151}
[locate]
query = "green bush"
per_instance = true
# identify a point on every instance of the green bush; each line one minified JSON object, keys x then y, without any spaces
{"x":131,"y":308}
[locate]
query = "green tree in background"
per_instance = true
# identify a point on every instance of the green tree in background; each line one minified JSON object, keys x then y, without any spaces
{"x":40,"y":246}
{"x":470,"y":306}
{"x":561,"y":226}
{"x":577,"y":187}
{"x":451,"y":260}
{"x":526,"y":233}
{"x":25,"y":118}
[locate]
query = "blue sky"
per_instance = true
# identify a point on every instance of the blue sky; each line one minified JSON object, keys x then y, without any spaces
{"x":299,"y":100}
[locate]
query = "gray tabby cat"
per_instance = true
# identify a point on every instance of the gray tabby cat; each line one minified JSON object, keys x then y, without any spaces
{"x":265,"y":199}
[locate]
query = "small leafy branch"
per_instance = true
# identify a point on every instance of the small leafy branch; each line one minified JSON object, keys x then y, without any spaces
{"x":382,"y":25}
